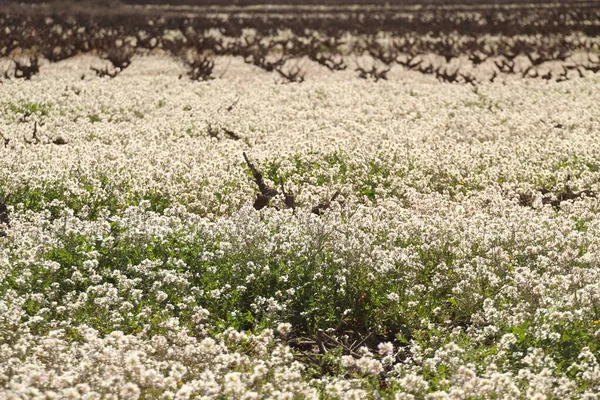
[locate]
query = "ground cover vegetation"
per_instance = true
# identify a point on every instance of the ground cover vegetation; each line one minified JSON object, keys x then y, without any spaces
{"x":402,"y":236}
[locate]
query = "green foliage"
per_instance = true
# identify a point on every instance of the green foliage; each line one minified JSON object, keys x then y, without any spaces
{"x":20,"y":108}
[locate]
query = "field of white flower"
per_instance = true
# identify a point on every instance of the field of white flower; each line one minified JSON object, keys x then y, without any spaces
{"x":459,"y":257}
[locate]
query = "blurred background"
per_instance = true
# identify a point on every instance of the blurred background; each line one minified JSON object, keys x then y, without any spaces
{"x":463,"y":42}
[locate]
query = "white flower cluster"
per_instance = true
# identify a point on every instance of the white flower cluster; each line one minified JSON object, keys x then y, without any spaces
{"x":175,"y":366}
{"x":459,"y":257}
